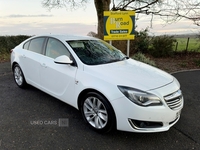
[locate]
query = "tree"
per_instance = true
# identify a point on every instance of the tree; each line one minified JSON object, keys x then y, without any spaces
{"x":168,"y":10}
{"x":72,"y":4}
{"x":101,"y":6}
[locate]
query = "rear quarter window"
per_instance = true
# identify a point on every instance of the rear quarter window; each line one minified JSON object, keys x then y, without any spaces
{"x":36,"y":45}
{"x":26,"y":45}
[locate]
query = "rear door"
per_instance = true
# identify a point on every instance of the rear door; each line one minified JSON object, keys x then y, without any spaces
{"x":31,"y":60}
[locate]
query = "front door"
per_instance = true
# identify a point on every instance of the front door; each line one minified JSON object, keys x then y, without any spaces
{"x":56,"y":79}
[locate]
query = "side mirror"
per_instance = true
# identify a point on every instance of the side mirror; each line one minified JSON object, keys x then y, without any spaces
{"x":63,"y":60}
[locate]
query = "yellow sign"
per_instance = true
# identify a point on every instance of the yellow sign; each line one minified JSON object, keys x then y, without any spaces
{"x":119,"y":25}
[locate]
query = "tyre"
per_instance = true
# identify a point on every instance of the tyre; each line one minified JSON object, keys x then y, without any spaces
{"x":19,"y":76}
{"x":97,"y":112}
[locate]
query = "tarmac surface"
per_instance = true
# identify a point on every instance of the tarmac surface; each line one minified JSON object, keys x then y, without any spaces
{"x":31,"y":119}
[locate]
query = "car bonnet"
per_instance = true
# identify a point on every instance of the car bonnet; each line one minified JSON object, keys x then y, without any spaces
{"x":131,"y":73}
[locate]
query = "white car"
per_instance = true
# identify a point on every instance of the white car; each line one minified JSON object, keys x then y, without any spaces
{"x":111,"y":90}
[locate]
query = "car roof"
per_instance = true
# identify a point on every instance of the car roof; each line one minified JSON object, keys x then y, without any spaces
{"x":67,"y":37}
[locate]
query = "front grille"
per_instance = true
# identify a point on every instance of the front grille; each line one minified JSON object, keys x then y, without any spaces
{"x":174,"y":100}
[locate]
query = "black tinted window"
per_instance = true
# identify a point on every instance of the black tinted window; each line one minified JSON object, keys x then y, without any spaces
{"x":36,"y":45}
{"x":95,"y":52}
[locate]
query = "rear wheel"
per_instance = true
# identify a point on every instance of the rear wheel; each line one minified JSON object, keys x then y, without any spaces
{"x":19,"y":76}
{"x":97,"y":112}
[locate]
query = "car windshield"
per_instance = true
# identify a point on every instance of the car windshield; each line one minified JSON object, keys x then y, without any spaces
{"x":96,"y":52}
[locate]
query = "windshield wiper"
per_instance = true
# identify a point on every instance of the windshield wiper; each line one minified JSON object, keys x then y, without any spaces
{"x":125,"y":57}
{"x":114,"y":60}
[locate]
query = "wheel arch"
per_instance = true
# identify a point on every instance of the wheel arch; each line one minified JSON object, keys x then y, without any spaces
{"x":13,"y":64}
{"x":84,"y":92}
{"x":23,"y":85}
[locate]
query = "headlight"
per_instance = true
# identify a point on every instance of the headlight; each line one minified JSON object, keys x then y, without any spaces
{"x":140,"y":97}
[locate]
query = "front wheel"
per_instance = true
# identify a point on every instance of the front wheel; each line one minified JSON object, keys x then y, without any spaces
{"x":97,"y":112}
{"x":19,"y":76}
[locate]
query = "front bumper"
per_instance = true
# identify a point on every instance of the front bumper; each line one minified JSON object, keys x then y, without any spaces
{"x":134,"y":118}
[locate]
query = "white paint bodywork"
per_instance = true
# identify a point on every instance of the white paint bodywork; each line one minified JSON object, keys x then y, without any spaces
{"x":66,"y":82}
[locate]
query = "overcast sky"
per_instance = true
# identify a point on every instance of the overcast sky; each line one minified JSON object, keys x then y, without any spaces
{"x":28,"y":17}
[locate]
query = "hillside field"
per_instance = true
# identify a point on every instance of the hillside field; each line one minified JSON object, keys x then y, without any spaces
{"x":193,"y":44}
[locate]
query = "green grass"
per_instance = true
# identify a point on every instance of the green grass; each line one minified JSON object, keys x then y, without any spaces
{"x":194,"y":44}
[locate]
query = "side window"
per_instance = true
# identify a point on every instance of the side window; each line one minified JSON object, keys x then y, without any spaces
{"x":36,"y":45}
{"x":26,"y":45}
{"x":55,"y":48}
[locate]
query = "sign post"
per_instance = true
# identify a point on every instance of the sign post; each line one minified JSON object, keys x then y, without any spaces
{"x":128,"y":47}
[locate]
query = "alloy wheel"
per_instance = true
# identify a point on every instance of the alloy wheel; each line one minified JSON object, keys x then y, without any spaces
{"x":95,"y":112}
{"x":18,"y":75}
